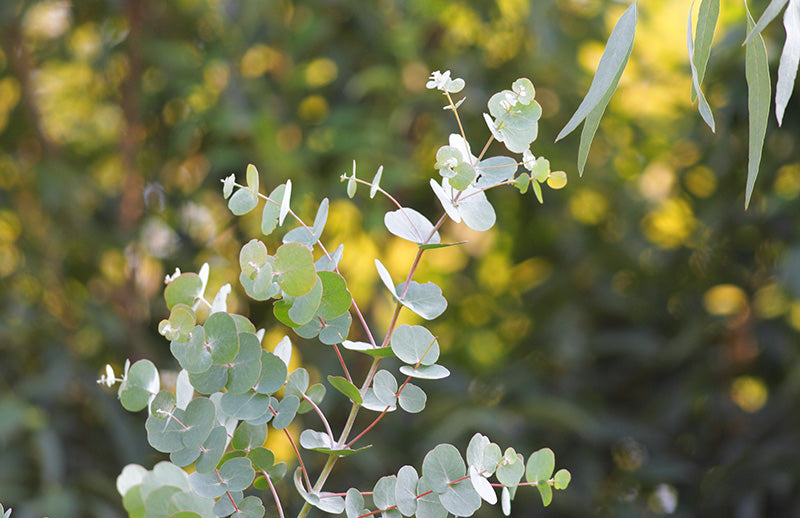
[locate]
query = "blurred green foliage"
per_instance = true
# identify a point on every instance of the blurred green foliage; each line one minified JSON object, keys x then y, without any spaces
{"x":640,"y":323}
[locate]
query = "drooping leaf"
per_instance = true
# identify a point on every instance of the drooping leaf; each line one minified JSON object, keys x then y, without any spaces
{"x":790,"y":59}
{"x":769,"y":14}
{"x":376,"y":183}
{"x":482,"y":486}
{"x":614,"y":58}
{"x":386,"y":278}
{"x":758,"y":99}
{"x":702,"y":104}
{"x":546,"y":492}
{"x":383,"y":494}
{"x":287,"y":195}
{"x":707,"y":18}
{"x":589,"y":129}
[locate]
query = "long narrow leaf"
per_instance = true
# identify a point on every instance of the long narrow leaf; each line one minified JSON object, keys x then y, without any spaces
{"x":707,"y":18}
{"x":790,"y":59}
{"x":758,"y":99}
{"x":702,"y":104}
{"x":592,"y":122}
{"x":614,"y":59}
{"x":767,"y":16}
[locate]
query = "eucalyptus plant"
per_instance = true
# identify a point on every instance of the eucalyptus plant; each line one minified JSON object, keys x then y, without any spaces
{"x":231,"y":391}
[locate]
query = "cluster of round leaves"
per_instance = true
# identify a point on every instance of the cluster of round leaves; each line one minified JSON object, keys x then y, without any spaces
{"x":449,"y":485}
{"x":217,"y":418}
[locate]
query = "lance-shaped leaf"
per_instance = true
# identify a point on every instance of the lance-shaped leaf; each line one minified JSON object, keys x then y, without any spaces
{"x":758,"y":99}
{"x":707,"y":17}
{"x":615,"y":57}
{"x":702,"y":104}
{"x":769,"y":14}
{"x":347,"y":388}
{"x":790,"y":59}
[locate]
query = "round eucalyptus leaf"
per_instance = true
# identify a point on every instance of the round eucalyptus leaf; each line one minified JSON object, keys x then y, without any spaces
{"x":540,"y":465}
{"x":131,"y":475}
{"x":441,"y":466}
{"x":415,"y":344}
{"x":412,"y":399}
{"x":304,"y":308}
{"x":287,"y":409}
{"x":192,"y":354}
{"x":383,"y":494}
{"x":262,"y":458}
{"x":165,"y":435}
{"x":245,"y":369}
{"x":208,"y":485}
{"x":252,"y":178}
{"x":477,"y":445}
{"x":562,"y":479}
{"x":186,"y":503}
{"x":212,"y":450}
{"x":475,"y":209}
{"x":242,"y":202}
{"x":315,"y":393}
{"x":140,"y":385}
{"x":156,"y":501}
{"x":385,"y":386}
{"x":250,"y":507}
{"x":461,"y":499}
{"x":249,"y":436}
{"x":353,"y":503}
{"x":495,"y":170}
{"x":336,"y":299}
{"x":406,"y":490}
{"x":297,"y":384}
{"x":162,"y":404}
{"x":211,"y":380}
{"x":425,"y":300}
{"x":294,"y":265}
{"x":335,"y":331}
{"x":409,"y":224}
{"x":428,"y":505}
{"x":237,"y":474}
{"x":510,"y":473}
{"x":199,"y":420}
{"x":222,"y":338}
{"x":252,"y":257}
{"x":272,"y":375}
{"x":246,"y":406}
{"x":546,"y":492}
{"x":183,"y":290}
{"x":185,"y":456}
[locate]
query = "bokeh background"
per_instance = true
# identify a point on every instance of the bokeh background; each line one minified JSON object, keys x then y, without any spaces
{"x":641,"y":323}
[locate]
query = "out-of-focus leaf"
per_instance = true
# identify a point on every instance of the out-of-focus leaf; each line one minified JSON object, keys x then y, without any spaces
{"x":758,"y":99}
{"x":790,"y":59}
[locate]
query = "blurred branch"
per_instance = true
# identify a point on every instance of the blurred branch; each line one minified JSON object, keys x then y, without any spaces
{"x":23,"y":66}
{"x":132,"y":197}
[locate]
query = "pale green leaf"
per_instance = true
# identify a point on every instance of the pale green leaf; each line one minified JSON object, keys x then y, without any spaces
{"x":287,"y":195}
{"x":425,"y":300}
{"x":702,"y":104}
{"x":461,"y":499}
{"x":441,"y":466}
{"x":412,"y":399}
{"x":410,"y":225}
{"x":540,"y":465}
{"x":707,"y":18}
{"x":769,"y":14}
{"x":252,"y":178}
{"x":347,"y":388}
{"x":758,"y":100}
{"x":415,"y":344}
{"x":406,"y":490}
{"x":790,"y":59}
{"x":614,"y":58}
{"x":383,"y":494}
{"x":242,"y":202}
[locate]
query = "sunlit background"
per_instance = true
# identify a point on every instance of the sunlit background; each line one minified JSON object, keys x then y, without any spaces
{"x":639,"y":322}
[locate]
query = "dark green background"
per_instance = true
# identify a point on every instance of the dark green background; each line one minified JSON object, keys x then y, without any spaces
{"x":117,"y":127}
